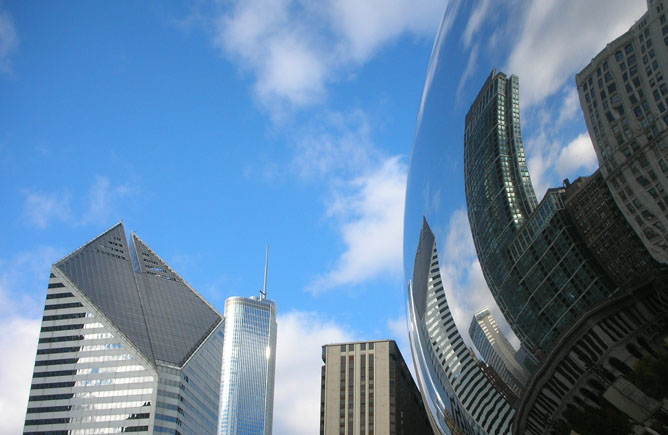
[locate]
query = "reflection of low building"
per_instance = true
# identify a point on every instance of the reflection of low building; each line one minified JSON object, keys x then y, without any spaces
{"x":457,"y":394}
{"x":497,"y":351}
{"x":366,"y":388}
{"x":584,"y":368}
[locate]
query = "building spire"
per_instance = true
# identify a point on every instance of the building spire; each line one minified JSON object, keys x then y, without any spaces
{"x":263,"y":293}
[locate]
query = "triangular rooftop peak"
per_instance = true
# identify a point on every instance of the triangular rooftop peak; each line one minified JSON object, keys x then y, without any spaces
{"x":149,"y":262}
{"x":139,"y":246}
{"x":117,"y":231}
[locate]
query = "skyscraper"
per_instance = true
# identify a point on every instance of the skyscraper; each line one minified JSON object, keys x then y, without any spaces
{"x":126,"y":345}
{"x":249,"y":361}
{"x":535,"y":263}
{"x":456,"y":392}
{"x":367,"y":389}
{"x":497,"y":351}
{"x":624,"y":97}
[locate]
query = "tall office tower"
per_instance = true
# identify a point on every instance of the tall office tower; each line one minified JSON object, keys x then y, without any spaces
{"x":535,"y":263}
{"x":126,"y":345}
{"x":458,"y":395}
{"x":624,"y":97}
{"x":366,"y":388}
{"x":607,"y":234}
{"x":497,"y":351}
{"x":249,"y":361}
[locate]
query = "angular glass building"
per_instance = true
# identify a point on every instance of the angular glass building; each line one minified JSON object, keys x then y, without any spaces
{"x":457,"y":394}
{"x":249,"y":361}
{"x":126,"y":345}
{"x":497,"y":351}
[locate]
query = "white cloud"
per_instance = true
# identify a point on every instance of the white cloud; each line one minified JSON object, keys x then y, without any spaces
{"x":579,"y":153}
{"x":23,"y":282}
{"x":399,"y":329}
{"x":294,"y":48}
{"x":298,"y":361}
{"x":369,"y":210}
{"x":335,"y":143}
{"x":570,"y":106}
{"x":546,"y":55}
{"x":476,"y":19}
{"x":9,"y":41}
{"x":102,"y":200}
{"x":40,"y":209}
{"x":18,"y":345}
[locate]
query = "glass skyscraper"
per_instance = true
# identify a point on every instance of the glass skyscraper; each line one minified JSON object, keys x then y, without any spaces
{"x":456,"y":392}
{"x":126,"y":345}
{"x":249,"y":360}
{"x":536,"y":265}
{"x":497,"y":351}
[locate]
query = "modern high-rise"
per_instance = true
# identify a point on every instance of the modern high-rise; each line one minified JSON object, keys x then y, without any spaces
{"x":497,"y":351}
{"x":458,"y":395}
{"x":624,"y":97}
{"x":366,"y":389}
{"x":536,"y":265}
{"x":126,"y":345}
{"x":249,"y":362}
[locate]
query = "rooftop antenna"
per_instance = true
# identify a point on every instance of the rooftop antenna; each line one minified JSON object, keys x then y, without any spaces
{"x":263,"y":293}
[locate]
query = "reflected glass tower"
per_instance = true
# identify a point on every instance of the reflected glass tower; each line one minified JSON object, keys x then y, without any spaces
{"x":458,"y":395}
{"x":536,"y":264}
{"x":126,"y":345}
{"x":497,"y":351}
{"x":249,"y":360}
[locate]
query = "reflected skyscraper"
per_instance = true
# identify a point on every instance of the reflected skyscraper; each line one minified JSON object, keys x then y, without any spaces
{"x":497,"y":351}
{"x":126,"y":345}
{"x":624,"y":98}
{"x":249,"y":362}
{"x":536,"y":265}
{"x":458,"y":395}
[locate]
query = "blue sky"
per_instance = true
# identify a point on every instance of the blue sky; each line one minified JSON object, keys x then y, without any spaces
{"x":214,"y":128}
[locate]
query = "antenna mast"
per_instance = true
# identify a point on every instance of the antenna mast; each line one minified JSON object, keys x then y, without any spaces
{"x":263,"y":293}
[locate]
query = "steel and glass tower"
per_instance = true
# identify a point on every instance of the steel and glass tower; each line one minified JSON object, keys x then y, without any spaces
{"x":497,"y":351}
{"x":249,"y":361}
{"x":457,"y":394}
{"x":499,"y":193}
{"x":126,"y":345}
{"x":535,"y":262}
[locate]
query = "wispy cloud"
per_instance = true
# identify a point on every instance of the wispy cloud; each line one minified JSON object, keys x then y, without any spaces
{"x":294,"y":49}
{"x":335,"y":143}
{"x":369,"y":213}
{"x":476,"y":19}
{"x":9,"y":41}
{"x":399,"y":329}
{"x":41,"y":208}
{"x":23,"y":281}
{"x":544,"y":55}
{"x":301,"y":336}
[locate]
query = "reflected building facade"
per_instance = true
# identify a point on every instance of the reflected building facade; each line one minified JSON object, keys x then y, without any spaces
{"x":459,"y":397}
{"x":624,"y":98}
{"x":497,"y":351}
{"x":249,"y":362}
{"x":126,"y":345}
{"x":539,"y":271}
